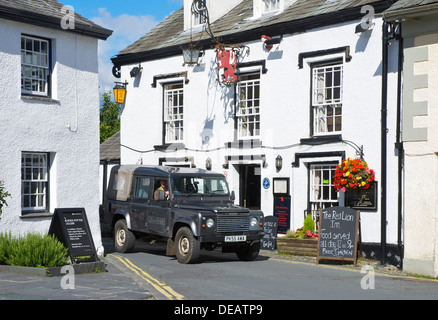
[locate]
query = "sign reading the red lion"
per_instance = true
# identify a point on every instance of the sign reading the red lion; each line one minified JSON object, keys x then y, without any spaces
{"x":227,"y":64}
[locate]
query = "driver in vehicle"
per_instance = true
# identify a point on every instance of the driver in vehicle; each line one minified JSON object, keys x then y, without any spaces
{"x":163,"y":187}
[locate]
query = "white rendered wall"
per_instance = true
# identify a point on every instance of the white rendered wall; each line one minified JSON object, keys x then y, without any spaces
{"x":285,"y":103}
{"x":67,"y":128}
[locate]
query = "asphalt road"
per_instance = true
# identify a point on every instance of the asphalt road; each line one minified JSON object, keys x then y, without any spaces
{"x":223,"y":277}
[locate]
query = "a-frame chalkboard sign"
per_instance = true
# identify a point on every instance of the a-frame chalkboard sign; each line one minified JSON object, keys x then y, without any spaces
{"x":70,"y":227}
{"x":338,"y":234}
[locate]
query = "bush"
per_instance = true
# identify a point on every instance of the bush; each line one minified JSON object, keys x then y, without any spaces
{"x":32,"y":250}
{"x":307,"y":231}
{"x":3,"y":195}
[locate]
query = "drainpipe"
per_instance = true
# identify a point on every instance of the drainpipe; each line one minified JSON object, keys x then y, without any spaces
{"x":399,"y":147}
{"x":384,"y":131}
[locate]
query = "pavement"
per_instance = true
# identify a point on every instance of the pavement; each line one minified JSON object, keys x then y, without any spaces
{"x":121,"y":281}
{"x":117,"y":283}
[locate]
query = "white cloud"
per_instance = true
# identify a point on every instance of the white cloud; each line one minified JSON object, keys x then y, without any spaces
{"x":127,"y":29}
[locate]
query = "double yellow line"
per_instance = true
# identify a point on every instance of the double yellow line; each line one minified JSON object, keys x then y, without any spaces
{"x":161,"y":287}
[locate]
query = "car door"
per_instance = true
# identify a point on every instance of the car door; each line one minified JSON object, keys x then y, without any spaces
{"x":159,"y":212}
{"x":141,"y":198}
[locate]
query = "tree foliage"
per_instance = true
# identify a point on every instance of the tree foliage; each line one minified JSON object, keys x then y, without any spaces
{"x":109,"y":117}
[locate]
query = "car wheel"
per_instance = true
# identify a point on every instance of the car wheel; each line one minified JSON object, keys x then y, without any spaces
{"x":124,"y":239}
{"x":249,"y":252}
{"x":186,"y":246}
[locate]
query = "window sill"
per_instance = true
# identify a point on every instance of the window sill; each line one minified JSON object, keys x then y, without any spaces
{"x":318,"y":140}
{"x":36,"y":215}
{"x":39,"y":99}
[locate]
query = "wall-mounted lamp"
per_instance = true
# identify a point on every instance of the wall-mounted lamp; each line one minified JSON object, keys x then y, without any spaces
{"x":208,"y":164}
{"x":279,"y":163}
{"x":269,"y":42}
{"x":120,"y":92}
{"x":135,"y":71}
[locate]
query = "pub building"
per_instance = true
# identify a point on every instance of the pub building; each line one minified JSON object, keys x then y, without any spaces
{"x":273,"y":94}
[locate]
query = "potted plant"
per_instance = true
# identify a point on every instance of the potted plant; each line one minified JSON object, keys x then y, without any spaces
{"x":353,"y":174}
{"x":302,"y":242}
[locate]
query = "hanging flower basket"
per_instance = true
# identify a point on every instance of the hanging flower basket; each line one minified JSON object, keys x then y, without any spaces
{"x":353,"y":174}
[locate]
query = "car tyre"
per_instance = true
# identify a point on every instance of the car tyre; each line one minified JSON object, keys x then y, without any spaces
{"x":250,"y":252}
{"x":124,"y":239}
{"x":187,"y":247}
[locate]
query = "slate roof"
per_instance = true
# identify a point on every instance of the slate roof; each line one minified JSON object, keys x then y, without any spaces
{"x":238,"y":23}
{"x":47,"y":13}
{"x":401,"y":7}
{"x":110,"y":149}
{"x":404,"y":4}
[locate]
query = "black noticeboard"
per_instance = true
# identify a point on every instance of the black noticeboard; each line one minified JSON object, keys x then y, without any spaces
{"x":282,"y":212}
{"x":269,"y":240}
{"x":70,"y":226}
{"x":338,"y":234}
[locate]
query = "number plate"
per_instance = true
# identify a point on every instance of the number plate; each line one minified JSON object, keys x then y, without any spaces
{"x":235,"y":238}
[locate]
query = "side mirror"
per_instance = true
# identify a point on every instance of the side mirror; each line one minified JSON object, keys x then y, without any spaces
{"x":162,"y":195}
{"x":232,"y":196}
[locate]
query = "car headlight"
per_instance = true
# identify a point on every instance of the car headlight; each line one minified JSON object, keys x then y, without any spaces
{"x":253,"y":221}
{"x":210,"y":223}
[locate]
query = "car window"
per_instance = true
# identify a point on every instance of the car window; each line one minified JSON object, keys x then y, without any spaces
{"x":142,"y":188}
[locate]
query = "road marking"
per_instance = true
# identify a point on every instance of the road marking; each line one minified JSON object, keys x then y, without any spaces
{"x":163,"y":288}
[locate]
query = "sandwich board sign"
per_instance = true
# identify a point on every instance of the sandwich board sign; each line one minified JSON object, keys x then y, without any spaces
{"x":338,"y":234}
{"x":70,"y":227}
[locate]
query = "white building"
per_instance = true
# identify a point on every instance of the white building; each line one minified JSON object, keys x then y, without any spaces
{"x":49,"y":132}
{"x":420,"y":136}
{"x":312,"y":96}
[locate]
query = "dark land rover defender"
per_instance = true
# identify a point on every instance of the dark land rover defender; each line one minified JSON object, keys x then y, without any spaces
{"x":190,"y":208}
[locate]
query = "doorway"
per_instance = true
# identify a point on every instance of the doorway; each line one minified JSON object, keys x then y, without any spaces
{"x":250,"y":184}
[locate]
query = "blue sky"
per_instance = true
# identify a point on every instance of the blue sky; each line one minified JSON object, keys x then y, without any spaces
{"x":129,"y":19}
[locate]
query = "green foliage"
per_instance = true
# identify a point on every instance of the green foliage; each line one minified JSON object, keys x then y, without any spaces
{"x":3,"y":195}
{"x":109,"y":117}
{"x":32,"y":250}
{"x":309,"y":225}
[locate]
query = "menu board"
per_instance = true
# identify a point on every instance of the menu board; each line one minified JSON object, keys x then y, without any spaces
{"x":338,"y":234}
{"x":269,"y":240}
{"x":282,"y":212}
{"x":70,"y":227}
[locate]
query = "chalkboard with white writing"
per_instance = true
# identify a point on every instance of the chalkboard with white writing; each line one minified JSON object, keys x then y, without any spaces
{"x":269,"y":240}
{"x":70,"y":227}
{"x":338,"y":234}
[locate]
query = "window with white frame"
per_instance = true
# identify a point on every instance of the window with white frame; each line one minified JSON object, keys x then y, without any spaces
{"x":34,"y":65}
{"x":34,"y":181}
{"x":322,"y":190}
{"x":248,"y":113}
{"x":327,"y":90}
{"x":173,"y":112}
{"x":271,"y":6}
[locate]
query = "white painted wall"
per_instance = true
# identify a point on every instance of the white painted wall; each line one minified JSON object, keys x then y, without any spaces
{"x":285,"y":103}
{"x":42,"y":126}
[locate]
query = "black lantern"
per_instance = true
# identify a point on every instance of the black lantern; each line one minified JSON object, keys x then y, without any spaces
{"x":191,"y":55}
{"x":208,"y":164}
{"x":279,"y":163}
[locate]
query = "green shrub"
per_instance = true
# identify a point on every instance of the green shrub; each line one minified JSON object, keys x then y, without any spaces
{"x":32,"y":250}
{"x":309,"y":225}
{"x":3,"y":195}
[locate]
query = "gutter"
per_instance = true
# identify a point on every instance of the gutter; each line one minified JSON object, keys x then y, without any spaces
{"x":50,"y":22}
{"x":289,"y":27}
{"x":412,"y":12}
